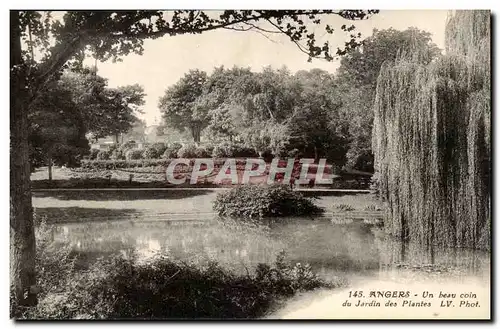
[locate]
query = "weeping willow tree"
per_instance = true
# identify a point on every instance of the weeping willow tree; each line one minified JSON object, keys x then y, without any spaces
{"x":431,"y":139}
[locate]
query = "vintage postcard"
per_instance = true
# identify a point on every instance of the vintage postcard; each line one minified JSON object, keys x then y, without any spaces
{"x":250,"y":164}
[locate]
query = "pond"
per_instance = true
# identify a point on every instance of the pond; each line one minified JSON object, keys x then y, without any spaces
{"x":190,"y":231}
{"x":329,"y":248}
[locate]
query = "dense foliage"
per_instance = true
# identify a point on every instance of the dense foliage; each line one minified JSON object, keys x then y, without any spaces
{"x":93,"y":154}
{"x":311,"y":113}
{"x":103,"y":155}
{"x":105,"y":111}
{"x":171,"y":151}
{"x":272,"y":111}
{"x":432,"y":139}
{"x":233,"y":150}
{"x":142,"y":163}
{"x":260,"y":201}
{"x":154,"y":151}
{"x":57,"y":130}
{"x":357,"y":79}
{"x":77,"y":106}
{"x":187,"y":151}
{"x":133,"y":154}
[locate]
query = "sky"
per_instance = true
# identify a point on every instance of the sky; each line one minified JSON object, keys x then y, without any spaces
{"x":166,"y":60}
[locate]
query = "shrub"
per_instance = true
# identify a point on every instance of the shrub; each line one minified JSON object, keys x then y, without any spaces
{"x":187,"y":151}
{"x":242,"y":151}
{"x":231,"y":150}
{"x":201,"y":152}
{"x":259,"y":201}
{"x":113,"y":147}
{"x":119,"y":288}
{"x":220,"y":151}
{"x":175,"y":146}
{"x":267,"y":155}
{"x":157,"y":164}
{"x":128,"y":146}
{"x":344,"y":207}
{"x":160,"y":147}
{"x":171,"y":151}
{"x":123,"y":164}
{"x":294,"y":153}
{"x":55,"y":267}
{"x":209,"y":148}
{"x":133,"y":154}
{"x":151,"y":153}
{"x":93,"y":154}
{"x":103,"y":155}
{"x":117,"y":154}
{"x":373,"y":207}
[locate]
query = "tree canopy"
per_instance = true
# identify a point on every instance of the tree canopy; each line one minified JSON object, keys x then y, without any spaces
{"x":326,"y":115}
{"x":357,"y":80}
{"x":56,"y":129}
{"x":361,"y":66}
{"x":185,"y":105}
{"x":270,"y":111}
{"x":106,"y":111}
{"x":77,"y":106}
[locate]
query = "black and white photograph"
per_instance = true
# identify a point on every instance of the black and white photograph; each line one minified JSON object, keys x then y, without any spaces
{"x":305,"y":164}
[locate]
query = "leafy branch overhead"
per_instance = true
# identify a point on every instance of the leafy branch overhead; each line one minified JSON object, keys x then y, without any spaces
{"x":113,"y":34}
{"x":116,"y":27}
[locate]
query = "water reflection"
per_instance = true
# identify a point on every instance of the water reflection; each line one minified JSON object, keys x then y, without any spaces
{"x":405,"y":260}
{"x":329,"y":248}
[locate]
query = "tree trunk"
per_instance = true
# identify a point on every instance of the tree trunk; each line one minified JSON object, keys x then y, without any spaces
{"x":22,"y":234}
{"x":50,"y":166}
{"x":117,"y":140}
{"x":316,"y":156}
{"x":196,"y":133}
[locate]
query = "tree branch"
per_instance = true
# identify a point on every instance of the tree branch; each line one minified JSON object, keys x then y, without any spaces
{"x":236,"y":29}
{"x":55,"y":63}
{"x":301,"y":47}
{"x":184,"y":29}
{"x":59,"y":57}
{"x":264,"y":35}
{"x":261,"y":29}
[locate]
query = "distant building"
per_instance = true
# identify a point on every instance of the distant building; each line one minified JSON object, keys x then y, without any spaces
{"x":152,"y":136}
{"x":103,"y":143}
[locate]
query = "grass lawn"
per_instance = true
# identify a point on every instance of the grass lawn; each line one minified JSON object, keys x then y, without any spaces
{"x":82,"y":206}
{"x":58,"y":173}
{"x":95,"y":205}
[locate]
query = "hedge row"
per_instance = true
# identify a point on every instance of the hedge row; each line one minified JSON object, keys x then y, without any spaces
{"x":175,"y":150}
{"x":145,"y":163}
